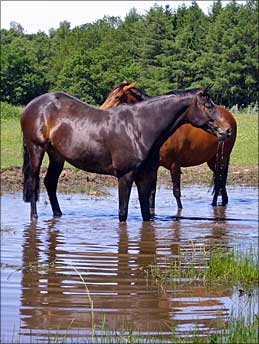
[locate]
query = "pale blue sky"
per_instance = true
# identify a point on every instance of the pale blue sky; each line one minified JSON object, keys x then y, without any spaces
{"x":37,"y":16}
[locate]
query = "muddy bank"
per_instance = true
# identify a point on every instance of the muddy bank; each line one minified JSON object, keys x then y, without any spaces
{"x":72,"y":180}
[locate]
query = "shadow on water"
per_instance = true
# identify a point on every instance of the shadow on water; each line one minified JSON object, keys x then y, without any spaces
{"x":86,"y":271}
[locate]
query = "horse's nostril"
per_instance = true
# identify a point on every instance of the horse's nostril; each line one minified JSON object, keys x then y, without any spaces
{"x":228,"y":131}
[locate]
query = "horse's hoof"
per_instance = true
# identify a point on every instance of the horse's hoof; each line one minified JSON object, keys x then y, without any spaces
{"x":122,"y":218}
{"x":223,"y":204}
{"x":57,"y":214}
{"x":152,"y":211}
{"x":146,"y":218}
{"x":34,"y":218}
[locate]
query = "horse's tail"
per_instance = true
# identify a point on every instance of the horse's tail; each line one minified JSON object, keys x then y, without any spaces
{"x":27,"y":179}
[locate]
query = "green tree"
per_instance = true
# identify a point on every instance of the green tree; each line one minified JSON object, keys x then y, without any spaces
{"x":21,"y":77}
{"x":75,"y":78}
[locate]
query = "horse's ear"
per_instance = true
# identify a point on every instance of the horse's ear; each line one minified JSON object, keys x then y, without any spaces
{"x":128,"y":87}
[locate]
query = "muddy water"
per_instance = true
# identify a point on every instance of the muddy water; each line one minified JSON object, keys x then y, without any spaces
{"x":87,"y":272}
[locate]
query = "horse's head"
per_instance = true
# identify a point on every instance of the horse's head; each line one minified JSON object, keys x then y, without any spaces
{"x":125,"y":93}
{"x":205,"y":115}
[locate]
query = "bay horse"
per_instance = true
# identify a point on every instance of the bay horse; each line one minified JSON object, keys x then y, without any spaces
{"x":122,"y":141}
{"x":188,"y":146}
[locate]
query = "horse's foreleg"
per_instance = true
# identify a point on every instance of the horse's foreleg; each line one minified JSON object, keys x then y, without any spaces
{"x":175,"y":171}
{"x":220,"y":180}
{"x":51,"y":181}
{"x":125,"y":185}
{"x":216,"y":180}
{"x":224,"y":193}
{"x":152,"y":197}
{"x":216,"y":190}
{"x":146,"y":185}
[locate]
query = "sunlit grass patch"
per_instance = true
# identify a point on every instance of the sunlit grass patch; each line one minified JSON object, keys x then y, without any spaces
{"x":233,"y":267}
{"x":245,"y":151}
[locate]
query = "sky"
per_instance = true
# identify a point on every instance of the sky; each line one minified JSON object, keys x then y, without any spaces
{"x":37,"y":16}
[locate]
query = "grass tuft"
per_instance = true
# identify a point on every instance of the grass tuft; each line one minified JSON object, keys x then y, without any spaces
{"x":229,"y":268}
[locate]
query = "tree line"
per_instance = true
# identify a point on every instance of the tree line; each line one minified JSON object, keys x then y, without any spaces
{"x":163,"y":50}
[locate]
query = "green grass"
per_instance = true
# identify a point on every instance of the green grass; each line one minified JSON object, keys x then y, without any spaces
{"x":11,"y":143}
{"x":233,"y":268}
{"x":227,"y":268}
{"x":9,"y":111}
{"x":245,"y":151}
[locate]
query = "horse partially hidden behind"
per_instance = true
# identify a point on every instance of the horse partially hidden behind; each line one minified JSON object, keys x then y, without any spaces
{"x":188,"y":146}
{"x":122,"y":141}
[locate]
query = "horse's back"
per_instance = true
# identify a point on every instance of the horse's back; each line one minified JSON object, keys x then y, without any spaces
{"x":44,"y":112}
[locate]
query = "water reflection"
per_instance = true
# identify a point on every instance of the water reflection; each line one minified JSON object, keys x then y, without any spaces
{"x":58,"y":284}
{"x":86,"y":269}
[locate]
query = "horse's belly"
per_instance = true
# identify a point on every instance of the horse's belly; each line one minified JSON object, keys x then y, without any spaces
{"x":96,"y":163}
{"x":90,"y":167}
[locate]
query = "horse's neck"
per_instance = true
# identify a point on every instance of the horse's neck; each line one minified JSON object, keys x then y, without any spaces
{"x":164,"y":116}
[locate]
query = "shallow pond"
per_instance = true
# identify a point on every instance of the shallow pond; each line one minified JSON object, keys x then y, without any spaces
{"x":87,"y":272}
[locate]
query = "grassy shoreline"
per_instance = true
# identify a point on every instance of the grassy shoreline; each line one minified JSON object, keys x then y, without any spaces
{"x":243,"y":168}
{"x":245,"y":151}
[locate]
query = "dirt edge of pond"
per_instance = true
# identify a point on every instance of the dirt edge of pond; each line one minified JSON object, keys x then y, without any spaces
{"x":73,"y":180}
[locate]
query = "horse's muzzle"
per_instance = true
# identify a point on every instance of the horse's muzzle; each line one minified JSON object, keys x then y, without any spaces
{"x":224,"y":134}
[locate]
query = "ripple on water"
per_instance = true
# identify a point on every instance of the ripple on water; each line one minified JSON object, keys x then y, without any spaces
{"x":56,"y":274}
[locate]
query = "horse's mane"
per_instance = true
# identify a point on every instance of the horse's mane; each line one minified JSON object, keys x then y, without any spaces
{"x":141,"y":93}
{"x":184,"y":92}
{"x":144,"y":96}
{"x":120,"y":86}
{"x":179,"y":93}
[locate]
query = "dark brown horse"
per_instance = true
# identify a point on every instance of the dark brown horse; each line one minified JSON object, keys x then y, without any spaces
{"x":123,"y":141}
{"x":188,"y":146}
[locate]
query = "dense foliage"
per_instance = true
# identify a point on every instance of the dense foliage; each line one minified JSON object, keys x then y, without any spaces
{"x":162,"y":50}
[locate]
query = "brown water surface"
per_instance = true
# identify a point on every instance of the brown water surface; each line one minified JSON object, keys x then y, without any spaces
{"x":87,"y":272}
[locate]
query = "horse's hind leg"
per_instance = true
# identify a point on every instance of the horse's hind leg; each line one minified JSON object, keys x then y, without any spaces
{"x":33,"y":155}
{"x":56,"y":164}
{"x":176,"y":180}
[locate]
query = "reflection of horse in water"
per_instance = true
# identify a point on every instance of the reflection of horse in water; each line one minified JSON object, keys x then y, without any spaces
{"x":188,"y":146}
{"x":54,"y":297}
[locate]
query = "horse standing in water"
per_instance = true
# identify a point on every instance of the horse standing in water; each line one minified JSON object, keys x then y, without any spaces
{"x":188,"y":146}
{"x":122,"y":141}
